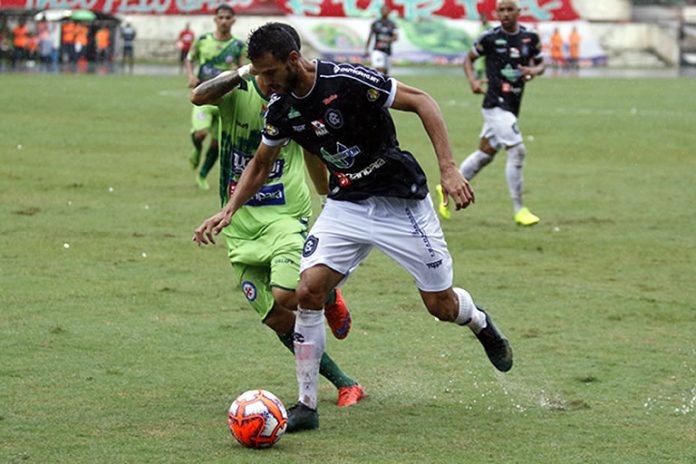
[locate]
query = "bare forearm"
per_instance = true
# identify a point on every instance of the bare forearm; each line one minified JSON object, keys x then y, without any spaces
{"x":214,"y":89}
{"x":318,"y":173}
{"x":252,"y":179}
{"x":469,"y":69}
{"x":435,"y":127}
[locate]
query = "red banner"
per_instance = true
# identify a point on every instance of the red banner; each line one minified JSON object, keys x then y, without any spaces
{"x":412,"y":10}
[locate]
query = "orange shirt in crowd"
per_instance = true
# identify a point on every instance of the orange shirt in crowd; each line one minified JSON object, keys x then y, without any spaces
{"x":574,"y":44}
{"x":81,"y":35}
{"x":20,"y":36}
{"x":69,"y":33}
{"x":102,"y":38}
{"x":556,"y":46}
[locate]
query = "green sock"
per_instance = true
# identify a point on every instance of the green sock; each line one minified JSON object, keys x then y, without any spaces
{"x":327,"y":367}
{"x":210,"y":159}
{"x":331,"y":299}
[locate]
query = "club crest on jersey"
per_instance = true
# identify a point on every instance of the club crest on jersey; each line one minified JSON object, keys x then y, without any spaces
{"x":319,"y":128}
{"x":372,"y":95}
{"x":310,"y":246}
{"x":334,"y":118}
{"x":344,"y":156}
{"x":249,"y":290}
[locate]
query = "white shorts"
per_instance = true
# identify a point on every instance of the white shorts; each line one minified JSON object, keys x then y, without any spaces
{"x":500,"y":128}
{"x":407,"y":231}
{"x":379,"y":60}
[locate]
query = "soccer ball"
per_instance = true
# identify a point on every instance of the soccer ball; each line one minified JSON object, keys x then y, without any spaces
{"x":257,"y":419}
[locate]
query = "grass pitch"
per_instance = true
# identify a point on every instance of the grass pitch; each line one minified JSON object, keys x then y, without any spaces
{"x":122,"y":342}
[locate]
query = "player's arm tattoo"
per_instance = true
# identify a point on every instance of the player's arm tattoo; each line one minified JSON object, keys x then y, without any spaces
{"x":210,"y":91}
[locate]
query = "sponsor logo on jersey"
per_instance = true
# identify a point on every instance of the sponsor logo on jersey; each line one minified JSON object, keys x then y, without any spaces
{"x":310,"y":246}
{"x":501,"y":42}
{"x":434,"y":264}
{"x":372,"y":95}
{"x":526,"y":40}
{"x":334,"y":118}
{"x":506,"y":88}
{"x":271,"y":130}
{"x":344,"y":156}
{"x":319,"y":128}
{"x":293,"y":113}
{"x":514,"y":52}
{"x":347,"y":69}
{"x":351,"y":176}
{"x":327,"y":101}
{"x":241,"y":159}
{"x":299,"y":128}
{"x":269,"y":195}
{"x":249,"y":290}
{"x":510,"y":73}
{"x":264,"y":110}
{"x":343,"y":180}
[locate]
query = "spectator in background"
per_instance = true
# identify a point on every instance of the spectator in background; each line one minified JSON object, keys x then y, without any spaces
{"x":186,"y":38}
{"x":103,"y":41}
{"x":68,"y":43}
{"x":45,"y":44}
{"x":81,"y":41}
{"x":20,"y":36}
{"x":384,"y":32}
{"x":574,"y":48}
{"x":557,"y":49}
{"x":128,"y":34}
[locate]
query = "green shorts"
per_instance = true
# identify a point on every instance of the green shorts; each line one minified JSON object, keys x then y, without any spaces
{"x":271,"y":260}
{"x":205,"y":117}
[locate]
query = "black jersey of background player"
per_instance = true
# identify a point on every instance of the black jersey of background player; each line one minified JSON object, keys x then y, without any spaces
{"x":504,"y":54}
{"x":345,"y":120}
{"x":384,"y":30}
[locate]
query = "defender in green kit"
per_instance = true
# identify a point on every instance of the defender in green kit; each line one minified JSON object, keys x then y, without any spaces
{"x":266,"y":237}
{"x":215,"y":52}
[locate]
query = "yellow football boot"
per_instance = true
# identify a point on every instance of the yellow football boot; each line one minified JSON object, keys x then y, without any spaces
{"x":442,"y":208}
{"x":524,"y":217}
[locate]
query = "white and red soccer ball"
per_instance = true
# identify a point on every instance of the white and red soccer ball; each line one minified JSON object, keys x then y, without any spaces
{"x":257,"y":419}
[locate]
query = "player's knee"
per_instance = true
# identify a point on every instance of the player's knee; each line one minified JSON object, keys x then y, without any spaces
{"x":517,"y":153}
{"x":443,"y":305}
{"x":310,"y":295}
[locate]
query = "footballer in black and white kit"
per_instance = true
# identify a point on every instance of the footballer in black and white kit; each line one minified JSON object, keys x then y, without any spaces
{"x":378,"y":195}
{"x":513,"y":57}
{"x":331,"y":121}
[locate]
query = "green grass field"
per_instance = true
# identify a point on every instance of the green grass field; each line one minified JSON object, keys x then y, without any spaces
{"x":122,"y":342}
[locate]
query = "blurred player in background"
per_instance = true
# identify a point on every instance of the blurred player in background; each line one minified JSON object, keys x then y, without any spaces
{"x":183,"y":44}
{"x":513,"y":57}
{"x":378,"y":195}
{"x":384,"y":33}
{"x":128,"y":34}
{"x":214,"y":52}
{"x":266,"y":237}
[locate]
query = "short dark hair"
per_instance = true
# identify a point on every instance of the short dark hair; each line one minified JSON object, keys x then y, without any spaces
{"x":278,"y":39}
{"x":225,"y":7}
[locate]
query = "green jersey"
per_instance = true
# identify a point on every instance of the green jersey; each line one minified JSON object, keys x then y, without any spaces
{"x":215,"y":56}
{"x":285,"y":193}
